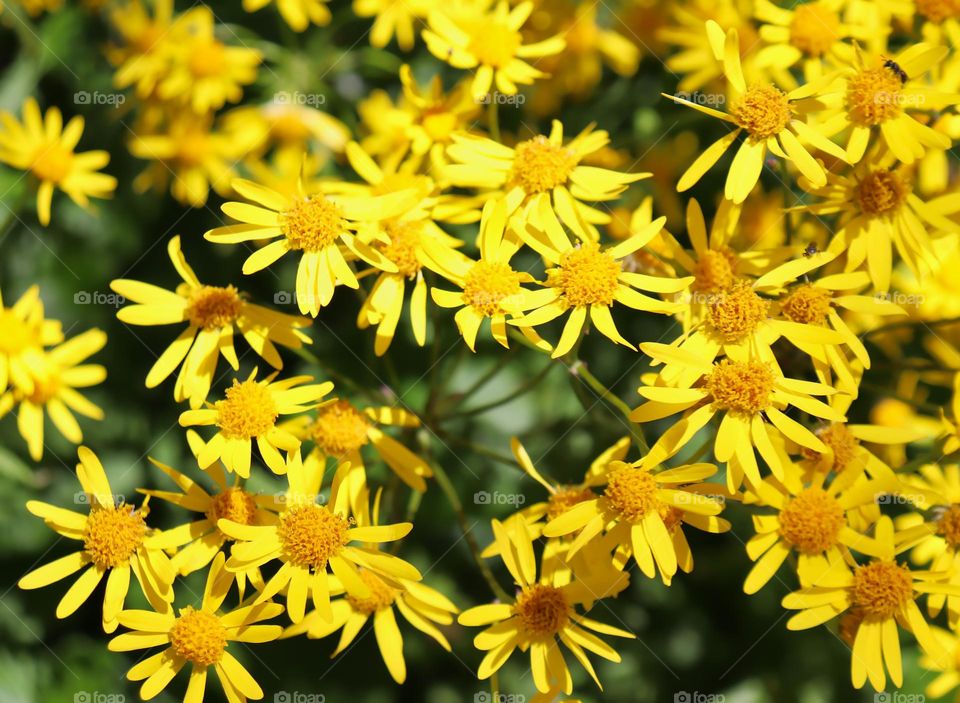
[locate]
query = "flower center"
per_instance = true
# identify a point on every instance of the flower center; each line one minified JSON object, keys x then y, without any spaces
{"x":588,"y":276}
{"x":873,"y":96}
{"x":52,"y":163}
{"x":715,"y":271}
{"x":539,"y":165}
{"x":381,"y":595}
{"x":311,"y":534}
{"x":814,"y":28}
{"x":812,"y":521}
{"x":737,"y":312}
{"x":565,"y":498}
{"x":807,"y":304}
{"x":881,"y":191}
{"x":543,"y":610}
{"x":493,"y":42}
{"x":439,"y":125}
{"x":233,"y":504}
{"x":881,"y":588}
{"x":764,"y":111}
{"x":208,"y":59}
{"x":312,"y":223}
{"x":404,"y":242}
{"x":632,"y":493}
{"x":741,"y":386}
{"x":948,"y":525}
{"x":199,"y":637}
{"x":340,"y":428}
{"x":288,"y":126}
{"x":487,"y":285}
{"x":212,"y":307}
{"x":841,"y":441}
{"x":247,"y":411}
{"x":18,"y":335}
{"x":937,"y":11}
{"x":113,"y":534}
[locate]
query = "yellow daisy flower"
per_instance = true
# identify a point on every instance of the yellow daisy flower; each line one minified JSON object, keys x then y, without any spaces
{"x":45,"y":148}
{"x":116,"y":541}
{"x":142,"y":54}
{"x":880,"y":594}
{"x":25,"y":332}
{"x":947,"y":667}
{"x":643,"y":512}
{"x":289,"y":126}
{"x":213,"y":314}
{"x":487,"y":39}
{"x":311,"y":537}
{"x":544,"y":614}
{"x":542,"y":178}
{"x":773,"y":121}
{"x":320,"y":225}
{"x":56,"y":375}
{"x":249,"y":411}
{"x":299,"y":14}
{"x":586,"y":280}
{"x":198,"y":637}
{"x":393,"y":19}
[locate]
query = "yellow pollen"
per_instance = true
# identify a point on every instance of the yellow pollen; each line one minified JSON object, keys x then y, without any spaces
{"x":540,"y":165}
{"x":52,"y":163}
{"x":565,"y":498}
{"x":948,"y":525}
{"x":814,"y":28}
{"x":207,"y":59}
{"x":340,"y":428}
{"x":311,"y":534}
{"x":741,"y":386}
{"x":811,"y":521}
{"x":587,"y":276}
{"x":199,"y":637}
{"x":381,"y":595}
{"x":873,"y":96}
{"x":737,"y":312}
{"x":247,"y":411}
{"x":807,"y":304}
{"x":404,"y":242}
{"x":312,"y":223}
{"x":493,"y":43}
{"x":938,"y":11}
{"x":113,"y":535}
{"x":715,"y":271}
{"x":764,"y":111}
{"x":212,"y":307}
{"x":487,"y":285}
{"x":632,"y":493}
{"x":881,"y":588}
{"x":543,"y":610}
{"x":881,"y":191}
{"x":841,"y":441}
{"x":233,"y":504}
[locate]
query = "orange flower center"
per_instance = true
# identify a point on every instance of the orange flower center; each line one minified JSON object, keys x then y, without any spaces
{"x":311,"y":534}
{"x":715,"y":271}
{"x":543,"y":610}
{"x":948,"y":525}
{"x":811,"y":521}
{"x":588,"y":276}
{"x":565,"y":498}
{"x":881,"y":191}
{"x":493,"y":42}
{"x":487,"y":285}
{"x":233,"y":504}
{"x":381,"y":595}
{"x":741,"y":386}
{"x":340,"y":428}
{"x":312,"y":223}
{"x":212,"y":307}
{"x":539,"y":165}
{"x":247,"y":411}
{"x":113,"y":535}
{"x":764,"y":111}
{"x":881,"y":588}
{"x":807,"y":304}
{"x":737,"y":312}
{"x":873,"y":96}
{"x":199,"y":637}
{"x":52,"y":163}
{"x":208,"y":59}
{"x":632,"y":493}
{"x":814,"y":28}
{"x":404,"y":242}
{"x":841,"y":441}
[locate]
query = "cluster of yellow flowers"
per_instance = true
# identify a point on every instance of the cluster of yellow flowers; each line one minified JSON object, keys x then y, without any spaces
{"x":758,"y":374}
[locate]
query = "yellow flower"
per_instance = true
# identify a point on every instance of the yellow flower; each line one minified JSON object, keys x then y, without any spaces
{"x":321,"y":226}
{"x":487,"y":40}
{"x":879,"y":595}
{"x":393,"y":18}
{"x":289,"y":126}
{"x":299,"y":14}
{"x":25,"y":332}
{"x":773,"y":120}
{"x":948,"y":666}
{"x":642,"y":512}
{"x":56,"y":375}
{"x":199,"y":637}
{"x":249,"y":411}
{"x":311,"y":537}
{"x":586,"y":280}
{"x":116,"y":541}
{"x":45,"y":148}
{"x":543,"y":615}
{"x":542,"y":178}
{"x":213,"y":314}
{"x":142,"y":55}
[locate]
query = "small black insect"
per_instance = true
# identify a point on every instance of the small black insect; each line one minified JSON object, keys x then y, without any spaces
{"x":897,"y":71}
{"x":810,"y":250}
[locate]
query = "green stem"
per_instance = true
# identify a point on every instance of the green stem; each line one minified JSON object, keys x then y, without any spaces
{"x":578,"y":368}
{"x":493,"y":118}
{"x":520,"y":390}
